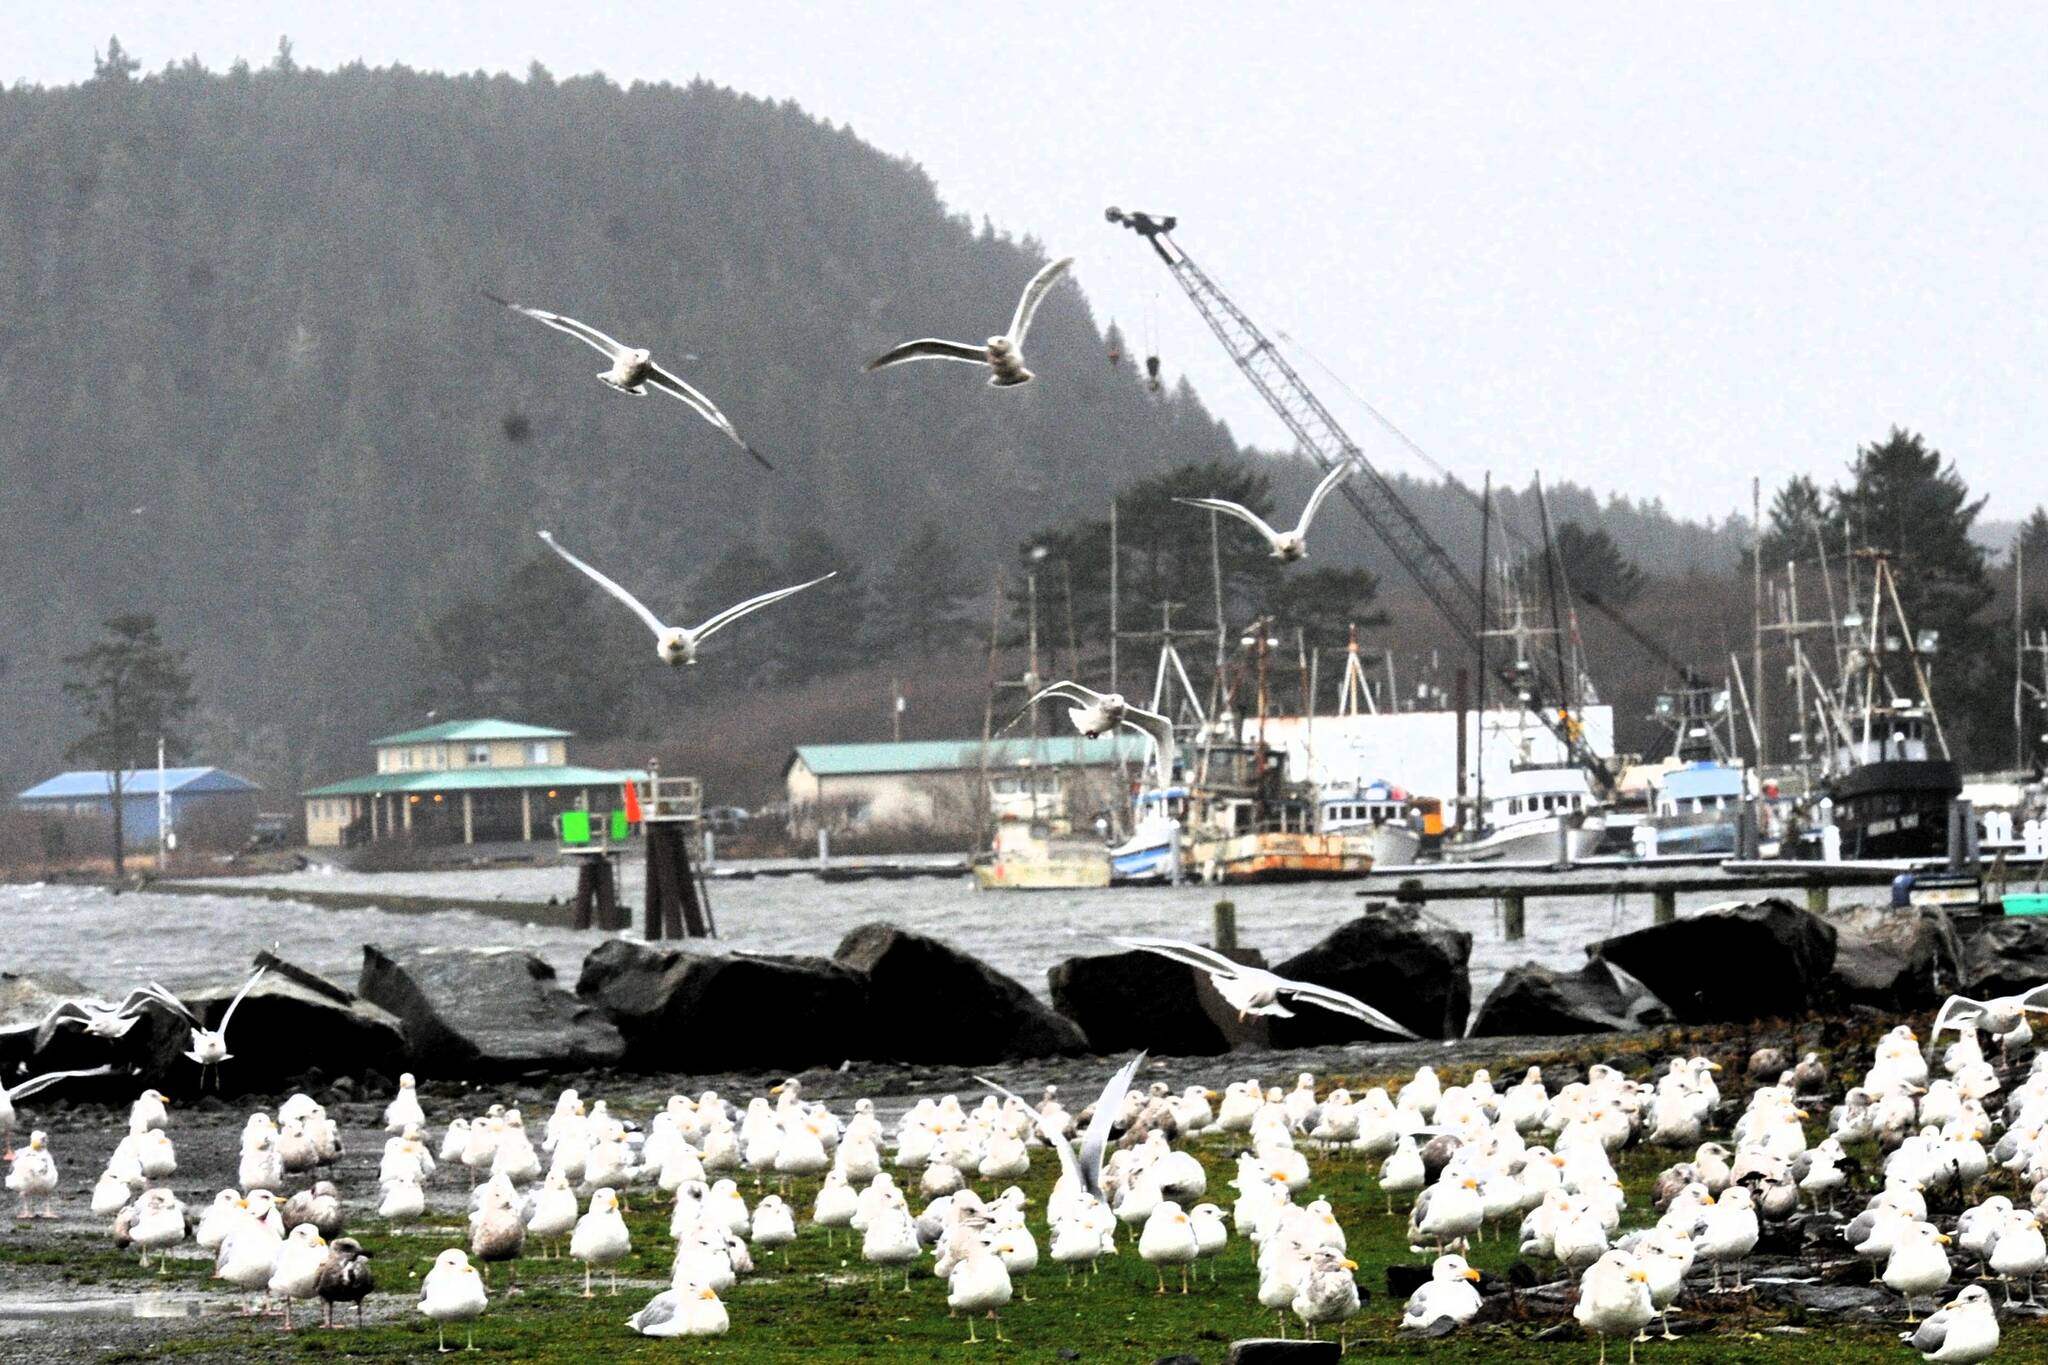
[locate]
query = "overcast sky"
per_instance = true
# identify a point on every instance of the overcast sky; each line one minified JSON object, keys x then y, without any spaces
{"x":1657,"y":253}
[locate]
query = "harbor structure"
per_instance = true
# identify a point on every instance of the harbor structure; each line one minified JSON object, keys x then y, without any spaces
{"x":210,"y":805}
{"x":462,"y":781}
{"x":954,"y":786}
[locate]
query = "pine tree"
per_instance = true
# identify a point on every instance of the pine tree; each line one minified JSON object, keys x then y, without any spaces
{"x":132,"y":691}
{"x":1798,"y":523}
{"x":920,"y":599}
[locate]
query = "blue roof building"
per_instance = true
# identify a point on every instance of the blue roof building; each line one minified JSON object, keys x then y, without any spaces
{"x":213,"y":793}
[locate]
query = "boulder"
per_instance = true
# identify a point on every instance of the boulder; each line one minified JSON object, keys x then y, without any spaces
{"x":1131,"y":1000}
{"x":25,"y":998}
{"x":1884,"y":958}
{"x":291,"y":1022}
{"x":486,"y":1012}
{"x":688,"y":1011}
{"x":1281,"y":1351}
{"x":1731,"y":963}
{"x":930,"y":1002}
{"x":1534,"y":1000}
{"x":2007,"y":956}
{"x":1392,"y":958}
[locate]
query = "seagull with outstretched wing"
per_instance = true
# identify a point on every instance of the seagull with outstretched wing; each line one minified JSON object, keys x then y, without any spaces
{"x":100,"y":1018}
{"x":633,"y":370}
{"x":1996,"y":1017}
{"x":31,"y":1086}
{"x":1084,"y":1166}
{"x":1003,"y":354}
{"x":1288,"y":545}
{"x":678,"y":644}
{"x":1254,"y":990}
{"x":1097,"y":713}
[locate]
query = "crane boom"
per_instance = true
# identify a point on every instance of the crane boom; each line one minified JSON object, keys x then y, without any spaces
{"x":1317,"y":430}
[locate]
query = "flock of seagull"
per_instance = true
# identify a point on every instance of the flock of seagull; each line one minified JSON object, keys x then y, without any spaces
{"x":634,"y":371}
{"x":1471,"y":1161}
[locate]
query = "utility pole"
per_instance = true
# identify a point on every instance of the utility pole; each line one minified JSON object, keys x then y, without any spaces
{"x":165,"y":840}
{"x":896,"y":709}
{"x":1756,"y":632}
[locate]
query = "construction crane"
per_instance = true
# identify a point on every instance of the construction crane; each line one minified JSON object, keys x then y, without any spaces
{"x":1370,"y":495}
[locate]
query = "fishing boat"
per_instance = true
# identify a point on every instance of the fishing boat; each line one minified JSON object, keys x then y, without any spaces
{"x":1536,"y":813}
{"x":1887,"y":779}
{"x":1034,"y":856}
{"x":1152,"y":852}
{"x":1249,"y":823}
{"x":1395,"y":821}
{"x":1694,"y":809}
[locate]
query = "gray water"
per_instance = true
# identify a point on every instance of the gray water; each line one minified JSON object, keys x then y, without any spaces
{"x":113,"y":942}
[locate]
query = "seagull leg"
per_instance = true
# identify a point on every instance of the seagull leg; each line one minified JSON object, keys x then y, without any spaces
{"x":472,"y":1338}
{"x":972,"y":1340}
{"x":1183,"y":1278}
{"x":442,"y":1329}
{"x":586,"y":1281}
{"x":1162,"y":1278}
{"x":999,"y":1325}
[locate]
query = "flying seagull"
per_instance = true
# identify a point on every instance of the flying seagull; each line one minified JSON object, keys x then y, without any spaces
{"x":1086,"y":1165}
{"x":96,"y":1017}
{"x":209,"y":1046}
{"x":1101,"y":712}
{"x":1004,"y":355}
{"x":1288,"y":546}
{"x":678,"y":644}
{"x":1254,"y":990}
{"x":1996,"y":1017}
{"x":26,"y":1088}
{"x":633,"y":370}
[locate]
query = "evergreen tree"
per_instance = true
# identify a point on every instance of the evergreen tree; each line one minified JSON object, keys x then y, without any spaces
{"x":1798,"y":510}
{"x":921,"y":600}
{"x":1590,"y":562}
{"x":820,"y":631}
{"x":1324,"y":603}
{"x":132,"y":692}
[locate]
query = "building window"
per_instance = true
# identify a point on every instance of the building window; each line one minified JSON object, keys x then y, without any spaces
{"x":480,"y":755}
{"x":537,"y":752}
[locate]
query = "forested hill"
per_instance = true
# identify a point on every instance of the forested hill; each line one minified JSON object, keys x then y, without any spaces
{"x":250,"y":385}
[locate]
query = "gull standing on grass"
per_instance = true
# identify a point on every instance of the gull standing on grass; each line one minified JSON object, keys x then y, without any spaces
{"x":1004,"y":354}
{"x":678,"y":644}
{"x":1290,"y":545}
{"x":1254,"y":990}
{"x":633,"y":370}
{"x":1100,"y":712}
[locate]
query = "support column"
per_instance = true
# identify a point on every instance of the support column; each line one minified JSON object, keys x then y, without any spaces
{"x":1665,"y":901}
{"x":468,"y":818}
{"x":1226,"y":927}
{"x":1514,"y":915}
{"x":404,"y":811}
{"x":526,"y":814}
{"x":373,"y":817}
{"x":1817,"y":898}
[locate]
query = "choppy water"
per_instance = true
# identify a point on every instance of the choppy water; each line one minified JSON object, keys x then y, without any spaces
{"x":112,"y":942}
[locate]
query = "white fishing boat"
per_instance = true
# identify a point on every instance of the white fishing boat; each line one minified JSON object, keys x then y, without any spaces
{"x":1535,"y":814}
{"x":1152,"y":852}
{"x":1389,"y":816}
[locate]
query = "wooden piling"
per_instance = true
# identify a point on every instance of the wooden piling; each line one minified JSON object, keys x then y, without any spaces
{"x":1226,"y":927}
{"x":1514,"y":916}
{"x":1664,"y":904}
{"x":597,"y":895}
{"x":676,"y":903}
{"x":1817,"y":898}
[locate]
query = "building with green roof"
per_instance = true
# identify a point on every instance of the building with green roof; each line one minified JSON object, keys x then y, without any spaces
{"x":951,"y":785}
{"x":462,"y":780}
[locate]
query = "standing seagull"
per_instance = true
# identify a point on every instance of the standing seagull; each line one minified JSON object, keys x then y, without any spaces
{"x":1004,"y":355}
{"x":1254,"y":990}
{"x":1288,"y":546}
{"x":209,"y":1045}
{"x":633,"y":370}
{"x":678,"y":644}
{"x":1101,"y":712}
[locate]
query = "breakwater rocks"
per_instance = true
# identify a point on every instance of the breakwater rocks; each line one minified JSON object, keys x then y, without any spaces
{"x":891,"y":995}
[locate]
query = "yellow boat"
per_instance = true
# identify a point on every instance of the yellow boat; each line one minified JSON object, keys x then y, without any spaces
{"x":1028,"y":856}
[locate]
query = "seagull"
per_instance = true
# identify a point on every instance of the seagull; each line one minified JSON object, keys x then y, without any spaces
{"x":633,"y":370}
{"x":1101,"y":712}
{"x":678,"y":644}
{"x":209,"y":1046}
{"x":1288,"y":546}
{"x":97,"y":1017}
{"x":22,"y":1091}
{"x":1996,"y":1017}
{"x":1085,"y":1166}
{"x":1254,"y":990}
{"x":1004,"y":355}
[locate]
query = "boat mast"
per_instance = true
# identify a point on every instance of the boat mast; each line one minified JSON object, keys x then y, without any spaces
{"x":1485,"y":577}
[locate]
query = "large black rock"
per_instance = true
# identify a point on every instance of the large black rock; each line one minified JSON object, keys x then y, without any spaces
{"x":1393,"y":959}
{"x":2007,"y":956}
{"x":290,"y":1023}
{"x":486,"y":1012}
{"x":1884,"y":958}
{"x":930,"y":1002}
{"x":1131,"y":1000}
{"x":682,"y":1011}
{"x":1282,"y":1351}
{"x":1769,"y":960}
{"x":1532,"y":999}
